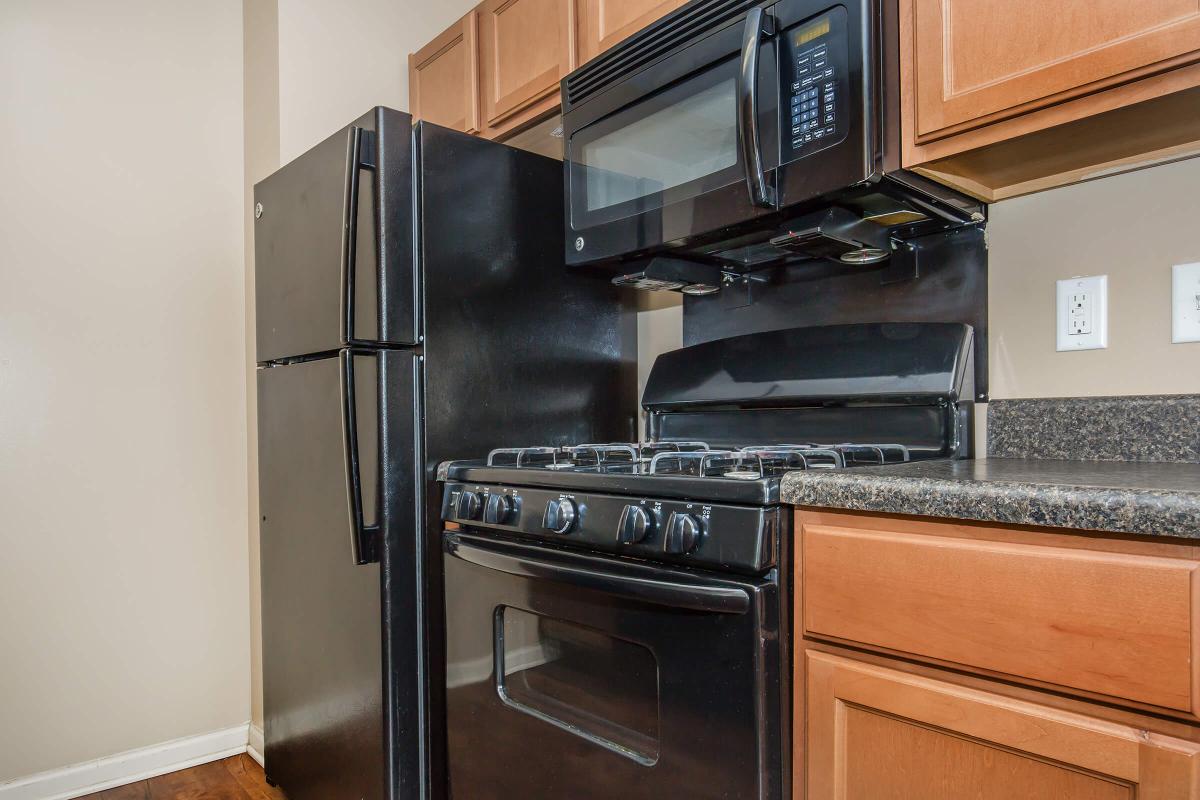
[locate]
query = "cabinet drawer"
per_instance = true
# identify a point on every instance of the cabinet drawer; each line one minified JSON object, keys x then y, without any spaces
{"x":1110,"y":623}
{"x":875,"y":733}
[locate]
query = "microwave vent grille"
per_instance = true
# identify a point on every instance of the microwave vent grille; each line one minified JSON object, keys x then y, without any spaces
{"x":681,"y":28}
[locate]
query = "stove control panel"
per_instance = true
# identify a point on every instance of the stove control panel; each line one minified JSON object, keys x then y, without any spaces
{"x":738,"y":538}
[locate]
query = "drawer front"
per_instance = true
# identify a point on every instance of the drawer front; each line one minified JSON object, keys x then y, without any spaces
{"x":1115,"y":624}
{"x":875,"y":733}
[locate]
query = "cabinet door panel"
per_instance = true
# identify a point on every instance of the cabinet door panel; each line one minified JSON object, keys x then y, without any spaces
{"x":526,"y":48}
{"x":443,"y":78}
{"x":977,"y":61}
{"x":876,"y":734}
{"x":603,"y":23}
{"x":1117,"y":624}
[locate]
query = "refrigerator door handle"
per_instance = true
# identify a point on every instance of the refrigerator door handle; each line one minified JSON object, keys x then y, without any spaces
{"x":360,"y":155}
{"x":364,"y":538}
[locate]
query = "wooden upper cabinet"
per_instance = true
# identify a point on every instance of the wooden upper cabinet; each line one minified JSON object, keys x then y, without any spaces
{"x":526,"y":47}
{"x":1001,"y":99}
{"x":603,"y":23}
{"x":443,"y":78}
{"x":875,"y":733}
{"x":978,"y":60}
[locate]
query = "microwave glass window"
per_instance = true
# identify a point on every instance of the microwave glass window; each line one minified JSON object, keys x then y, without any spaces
{"x":581,"y":680}
{"x":689,"y":139}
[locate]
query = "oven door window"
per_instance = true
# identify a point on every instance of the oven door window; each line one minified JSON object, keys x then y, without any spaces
{"x":671,"y":146}
{"x":579,"y":679}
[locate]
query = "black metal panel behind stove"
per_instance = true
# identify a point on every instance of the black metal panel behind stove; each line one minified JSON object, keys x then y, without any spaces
{"x":947,"y":283}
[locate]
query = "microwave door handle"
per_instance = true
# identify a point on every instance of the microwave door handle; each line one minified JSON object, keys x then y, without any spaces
{"x":694,"y":597}
{"x":757,"y":24}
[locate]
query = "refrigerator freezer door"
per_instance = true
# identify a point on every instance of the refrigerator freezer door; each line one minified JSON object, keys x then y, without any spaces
{"x":322,"y":617}
{"x":333,"y":243}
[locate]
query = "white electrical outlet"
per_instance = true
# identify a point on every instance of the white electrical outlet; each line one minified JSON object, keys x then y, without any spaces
{"x":1083,"y":313}
{"x":1185,"y":302}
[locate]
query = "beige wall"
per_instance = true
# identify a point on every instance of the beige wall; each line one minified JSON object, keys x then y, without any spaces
{"x":1131,"y":227}
{"x":313,"y":66}
{"x":123,"y":495}
{"x":338,"y":59}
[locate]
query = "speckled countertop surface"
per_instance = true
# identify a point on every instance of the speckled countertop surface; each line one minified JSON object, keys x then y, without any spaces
{"x":1161,"y":499}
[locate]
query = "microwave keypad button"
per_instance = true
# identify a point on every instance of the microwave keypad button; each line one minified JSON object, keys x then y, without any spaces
{"x":828,"y":119}
{"x":797,"y":128}
{"x":828,"y":108}
{"x":829,"y":72}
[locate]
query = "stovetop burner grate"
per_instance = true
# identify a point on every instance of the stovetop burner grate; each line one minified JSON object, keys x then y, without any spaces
{"x":697,"y":459}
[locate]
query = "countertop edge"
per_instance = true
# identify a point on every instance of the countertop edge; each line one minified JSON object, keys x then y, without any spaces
{"x":1148,"y":512}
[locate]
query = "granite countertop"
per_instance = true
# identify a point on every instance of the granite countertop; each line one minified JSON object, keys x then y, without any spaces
{"x":1161,"y":499}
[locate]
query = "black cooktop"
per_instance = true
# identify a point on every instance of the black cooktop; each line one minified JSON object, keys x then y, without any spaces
{"x":683,"y":470}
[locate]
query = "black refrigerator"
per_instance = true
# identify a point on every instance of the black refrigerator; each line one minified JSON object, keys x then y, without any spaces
{"x":412,"y":307}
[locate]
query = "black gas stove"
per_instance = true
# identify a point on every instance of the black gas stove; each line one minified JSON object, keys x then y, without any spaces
{"x":618,"y":612}
{"x":728,"y":419}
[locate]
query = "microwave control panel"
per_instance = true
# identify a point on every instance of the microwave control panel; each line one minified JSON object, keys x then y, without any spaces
{"x":816,"y":84}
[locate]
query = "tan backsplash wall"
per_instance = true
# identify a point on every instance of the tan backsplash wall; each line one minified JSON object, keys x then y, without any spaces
{"x":1131,"y":227}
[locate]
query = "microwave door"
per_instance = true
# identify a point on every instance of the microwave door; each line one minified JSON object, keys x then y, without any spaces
{"x":657,"y":161}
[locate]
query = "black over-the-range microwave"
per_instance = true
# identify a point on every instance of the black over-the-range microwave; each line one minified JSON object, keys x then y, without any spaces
{"x":731,"y":136}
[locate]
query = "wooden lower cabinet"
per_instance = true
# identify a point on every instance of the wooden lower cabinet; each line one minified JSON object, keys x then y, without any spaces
{"x":953,"y":660}
{"x":875,"y":733}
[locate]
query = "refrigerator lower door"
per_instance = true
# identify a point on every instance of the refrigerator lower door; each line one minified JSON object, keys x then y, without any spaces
{"x":321,"y":464}
{"x":333,"y":255}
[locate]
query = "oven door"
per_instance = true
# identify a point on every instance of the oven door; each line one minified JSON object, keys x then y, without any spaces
{"x":575,"y":676}
{"x":657,"y":158}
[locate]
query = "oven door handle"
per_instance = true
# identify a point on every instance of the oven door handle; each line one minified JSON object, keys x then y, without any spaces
{"x":694,"y":597}
{"x":757,"y":24}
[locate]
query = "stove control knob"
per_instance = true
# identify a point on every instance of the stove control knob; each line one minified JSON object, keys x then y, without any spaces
{"x":683,"y":533}
{"x":498,"y":509}
{"x":468,"y":506}
{"x":560,"y":515}
{"x":635,"y":525}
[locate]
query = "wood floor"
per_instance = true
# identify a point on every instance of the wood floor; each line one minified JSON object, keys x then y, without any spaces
{"x":235,"y":778}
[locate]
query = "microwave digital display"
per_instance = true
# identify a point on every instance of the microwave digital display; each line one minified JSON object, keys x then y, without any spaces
{"x":809,"y":32}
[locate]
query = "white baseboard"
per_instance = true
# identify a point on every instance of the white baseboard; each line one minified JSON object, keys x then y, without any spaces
{"x":131,"y":766}
{"x":256,"y":747}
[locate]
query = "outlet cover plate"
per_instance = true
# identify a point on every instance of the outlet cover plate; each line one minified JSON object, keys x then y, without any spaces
{"x":1094,"y":315}
{"x":1185,"y":302}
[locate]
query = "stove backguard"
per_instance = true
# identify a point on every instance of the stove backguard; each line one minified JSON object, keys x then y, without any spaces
{"x":909,"y":384}
{"x":942,"y":277}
